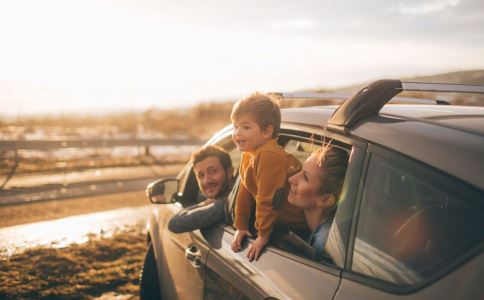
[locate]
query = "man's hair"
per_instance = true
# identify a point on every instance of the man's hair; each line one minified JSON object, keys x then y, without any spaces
{"x":212,"y":150}
{"x":262,"y":108}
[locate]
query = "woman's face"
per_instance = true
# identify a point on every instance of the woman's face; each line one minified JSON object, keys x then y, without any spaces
{"x":305,"y":185}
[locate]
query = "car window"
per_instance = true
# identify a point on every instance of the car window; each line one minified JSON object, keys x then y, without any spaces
{"x":414,"y":222}
{"x":300,"y":149}
{"x":189,"y":187}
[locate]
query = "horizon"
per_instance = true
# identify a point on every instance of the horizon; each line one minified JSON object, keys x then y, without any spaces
{"x":112,"y":111}
{"x":63,"y":57}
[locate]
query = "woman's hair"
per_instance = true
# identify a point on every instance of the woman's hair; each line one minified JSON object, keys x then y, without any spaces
{"x":333,"y":162}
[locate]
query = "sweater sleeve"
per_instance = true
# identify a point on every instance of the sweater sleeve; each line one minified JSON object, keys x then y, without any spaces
{"x":271,"y":174}
{"x":197,"y":217}
{"x":243,"y":208}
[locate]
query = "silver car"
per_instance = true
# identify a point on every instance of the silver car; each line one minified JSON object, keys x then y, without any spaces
{"x":410,"y":223}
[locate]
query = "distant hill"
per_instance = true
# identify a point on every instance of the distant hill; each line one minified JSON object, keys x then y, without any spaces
{"x":464,"y":77}
{"x":467,"y":77}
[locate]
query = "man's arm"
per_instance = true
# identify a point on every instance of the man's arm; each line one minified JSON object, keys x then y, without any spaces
{"x":197,"y":217}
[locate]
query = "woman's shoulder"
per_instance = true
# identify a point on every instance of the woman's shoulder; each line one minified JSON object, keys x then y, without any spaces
{"x":320,"y":236}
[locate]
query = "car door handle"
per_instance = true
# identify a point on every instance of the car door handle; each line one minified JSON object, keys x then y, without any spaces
{"x":193,"y":254}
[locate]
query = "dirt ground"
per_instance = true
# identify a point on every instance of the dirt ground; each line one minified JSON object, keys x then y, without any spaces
{"x":98,"y":269}
{"x":102,"y":268}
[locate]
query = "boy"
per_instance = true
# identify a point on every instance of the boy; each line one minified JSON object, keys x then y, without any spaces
{"x":264,"y":169}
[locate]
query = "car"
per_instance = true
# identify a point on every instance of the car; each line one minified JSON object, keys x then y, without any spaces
{"x":409,"y":225}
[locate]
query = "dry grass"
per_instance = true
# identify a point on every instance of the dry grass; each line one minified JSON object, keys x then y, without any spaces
{"x":200,"y":121}
{"x":98,"y":267}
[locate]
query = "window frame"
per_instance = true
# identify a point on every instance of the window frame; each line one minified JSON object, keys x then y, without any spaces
{"x":399,"y":158}
{"x":307,"y":133}
{"x":357,"y":165}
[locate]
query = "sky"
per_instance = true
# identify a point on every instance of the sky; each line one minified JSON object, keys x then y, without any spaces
{"x":62,"y":56}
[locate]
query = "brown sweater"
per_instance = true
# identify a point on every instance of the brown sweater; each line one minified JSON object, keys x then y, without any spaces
{"x":262,"y":172}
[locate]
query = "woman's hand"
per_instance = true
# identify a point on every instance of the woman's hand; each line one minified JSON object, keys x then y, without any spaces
{"x":238,"y":237}
{"x":255,"y":250}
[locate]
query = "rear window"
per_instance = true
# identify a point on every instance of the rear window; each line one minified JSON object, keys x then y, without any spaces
{"x":414,"y":222}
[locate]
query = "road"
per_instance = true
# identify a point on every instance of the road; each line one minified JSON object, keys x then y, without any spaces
{"x":92,"y":182}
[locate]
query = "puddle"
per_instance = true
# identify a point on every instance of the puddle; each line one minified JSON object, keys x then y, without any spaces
{"x":77,"y":229}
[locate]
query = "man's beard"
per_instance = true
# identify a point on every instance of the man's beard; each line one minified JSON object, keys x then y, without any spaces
{"x":224,"y":186}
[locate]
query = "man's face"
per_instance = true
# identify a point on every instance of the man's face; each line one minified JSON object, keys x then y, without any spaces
{"x":211,"y":177}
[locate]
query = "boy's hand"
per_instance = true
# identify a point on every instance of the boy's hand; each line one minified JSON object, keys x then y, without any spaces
{"x":238,"y":237}
{"x":255,"y":250}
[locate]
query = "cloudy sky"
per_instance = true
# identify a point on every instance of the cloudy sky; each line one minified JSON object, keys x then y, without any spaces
{"x":99,"y":55}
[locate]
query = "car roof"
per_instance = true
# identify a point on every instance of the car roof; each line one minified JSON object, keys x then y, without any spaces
{"x":421,"y":132}
{"x":464,"y":118}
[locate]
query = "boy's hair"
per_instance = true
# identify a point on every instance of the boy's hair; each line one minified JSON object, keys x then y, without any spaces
{"x":262,"y":108}
{"x":212,"y":150}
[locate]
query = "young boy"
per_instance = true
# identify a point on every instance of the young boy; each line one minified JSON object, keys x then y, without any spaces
{"x":264,"y":168}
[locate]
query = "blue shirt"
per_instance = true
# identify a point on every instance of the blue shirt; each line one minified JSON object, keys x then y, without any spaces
{"x":319,"y":236}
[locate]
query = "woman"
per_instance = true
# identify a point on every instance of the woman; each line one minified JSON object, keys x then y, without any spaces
{"x":316,"y":189}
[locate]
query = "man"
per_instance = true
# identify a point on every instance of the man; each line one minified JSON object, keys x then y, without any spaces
{"x":214,"y":173}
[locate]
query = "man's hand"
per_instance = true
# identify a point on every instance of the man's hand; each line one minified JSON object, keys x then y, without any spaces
{"x":238,"y":237}
{"x":255,"y":250}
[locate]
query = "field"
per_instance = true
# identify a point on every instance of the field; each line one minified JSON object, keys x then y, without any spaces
{"x":102,"y":267}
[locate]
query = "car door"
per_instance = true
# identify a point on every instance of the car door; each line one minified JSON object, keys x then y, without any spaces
{"x":418,"y":234}
{"x":279,"y":273}
{"x":181,"y":257}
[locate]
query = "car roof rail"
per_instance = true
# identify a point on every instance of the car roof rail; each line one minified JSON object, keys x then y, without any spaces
{"x":309,"y":96}
{"x":343,"y":97}
{"x":369,"y":100}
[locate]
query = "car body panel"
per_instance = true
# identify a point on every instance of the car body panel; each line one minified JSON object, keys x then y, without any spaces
{"x":178,"y":277}
{"x":276,"y":274}
{"x":463,"y":283}
{"x":421,"y":141}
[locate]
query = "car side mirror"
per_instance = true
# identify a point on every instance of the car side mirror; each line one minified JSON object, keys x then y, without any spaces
{"x":163,"y":191}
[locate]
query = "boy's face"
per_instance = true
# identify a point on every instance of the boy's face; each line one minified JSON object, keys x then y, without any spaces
{"x":248,"y":136}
